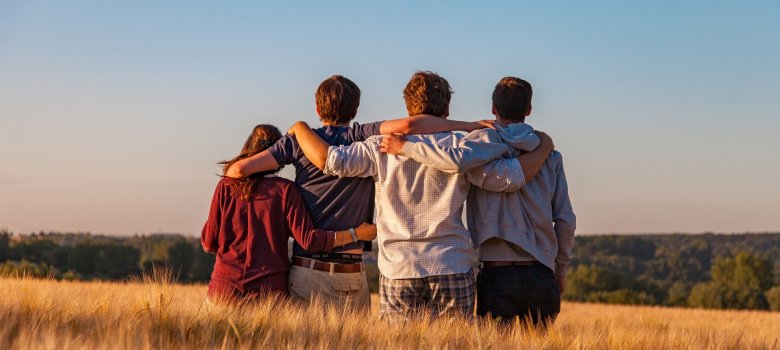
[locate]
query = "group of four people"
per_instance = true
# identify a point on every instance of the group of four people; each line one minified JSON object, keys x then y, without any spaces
{"x":519,"y":213}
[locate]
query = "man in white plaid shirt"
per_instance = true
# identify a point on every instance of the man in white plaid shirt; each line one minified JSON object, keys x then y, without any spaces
{"x":425,"y":251}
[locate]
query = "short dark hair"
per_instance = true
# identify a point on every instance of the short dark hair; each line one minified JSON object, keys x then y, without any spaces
{"x":427,"y":93}
{"x":512,"y":99}
{"x":337,"y":100}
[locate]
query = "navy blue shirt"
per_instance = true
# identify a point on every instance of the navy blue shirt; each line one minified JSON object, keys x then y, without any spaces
{"x":334,"y":203}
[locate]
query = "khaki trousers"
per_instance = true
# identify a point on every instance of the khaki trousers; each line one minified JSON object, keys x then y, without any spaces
{"x":342,"y":290}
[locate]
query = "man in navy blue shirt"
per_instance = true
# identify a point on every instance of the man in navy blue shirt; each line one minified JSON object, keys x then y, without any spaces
{"x":336,"y":203}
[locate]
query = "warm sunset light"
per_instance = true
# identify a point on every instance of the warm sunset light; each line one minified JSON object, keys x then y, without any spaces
{"x":344,"y":174}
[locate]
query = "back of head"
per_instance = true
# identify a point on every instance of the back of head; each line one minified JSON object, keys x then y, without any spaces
{"x":428,"y":93}
{"x":261,"y":138}
{"x":337,"y":100}
{"x":512,"y":99}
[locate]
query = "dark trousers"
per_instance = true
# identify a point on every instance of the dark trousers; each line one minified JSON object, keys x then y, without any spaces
{"x":528,"y":292}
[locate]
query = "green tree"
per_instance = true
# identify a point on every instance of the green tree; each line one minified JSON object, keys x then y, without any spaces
{"x":622,"y":296}
{"x":773,"y":298}
{"x":738,"y":282}
{"x":81,"y":259}
{"x":5,"y":238}
{"x":678,"y":294}
{"x":180,"y":256}
{"x":25,"y":268}
{"x":587,"y":279}
{"x":202,"y":266}
{"x":116,"y":260}
{"x":708,"y":295}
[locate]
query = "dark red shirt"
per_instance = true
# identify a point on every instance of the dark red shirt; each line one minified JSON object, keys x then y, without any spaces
{"x":250,"y":237}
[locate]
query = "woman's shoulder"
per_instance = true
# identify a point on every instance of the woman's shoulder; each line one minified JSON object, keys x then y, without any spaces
{"x":277,"y":180}
{"x":267,"y":185}
{"x":271,"y":181}
{"x":226,"y":182}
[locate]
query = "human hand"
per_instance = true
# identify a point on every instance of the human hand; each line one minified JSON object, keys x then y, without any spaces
{"x":485,"y":124}
{"x":393,"y":144}
{"x":545,"y":140}
{"x":366,"y":232}
{"x":295,"y":126}
{"x":561,"y":282}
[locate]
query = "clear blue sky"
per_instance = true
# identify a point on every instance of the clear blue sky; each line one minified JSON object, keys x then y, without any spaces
{"x":113,"y":115}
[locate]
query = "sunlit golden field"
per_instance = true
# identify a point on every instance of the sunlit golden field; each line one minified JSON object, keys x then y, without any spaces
{"x":155,"y":314}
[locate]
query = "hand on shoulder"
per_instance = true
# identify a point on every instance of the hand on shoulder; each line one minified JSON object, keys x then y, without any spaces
{"x":392,"y":144}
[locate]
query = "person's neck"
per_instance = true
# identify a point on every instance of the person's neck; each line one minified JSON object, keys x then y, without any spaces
{"x":333,"y":124}
{"x":506,"y":122}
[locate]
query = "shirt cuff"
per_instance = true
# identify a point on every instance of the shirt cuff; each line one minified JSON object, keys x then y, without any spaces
{"x":332,"y":162}
{"x":516,"y":175}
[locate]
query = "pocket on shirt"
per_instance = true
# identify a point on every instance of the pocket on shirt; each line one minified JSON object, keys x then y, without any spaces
{"x":349,"y":283}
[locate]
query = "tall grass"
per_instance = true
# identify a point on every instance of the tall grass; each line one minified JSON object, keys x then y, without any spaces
{"x":154,"y":313}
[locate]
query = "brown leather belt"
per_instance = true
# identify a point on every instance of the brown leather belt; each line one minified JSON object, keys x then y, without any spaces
{"x":509,"y":263}
{"x":324,"y":266}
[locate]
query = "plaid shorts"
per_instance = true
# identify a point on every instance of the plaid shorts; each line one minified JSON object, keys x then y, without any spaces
{"x":436,"y":295}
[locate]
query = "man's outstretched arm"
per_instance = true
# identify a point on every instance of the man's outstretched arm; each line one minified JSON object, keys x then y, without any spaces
{"x":355,"y":160}
{"x":510,"y":175}
{"x":312,"y":145}
{"x":452,"y":159}
{"x":532,"y":162}
{"x":428,"y":124}
{"x":263,"y":161}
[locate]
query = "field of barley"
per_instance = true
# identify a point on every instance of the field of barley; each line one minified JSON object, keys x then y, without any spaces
{"x":156,"y":314}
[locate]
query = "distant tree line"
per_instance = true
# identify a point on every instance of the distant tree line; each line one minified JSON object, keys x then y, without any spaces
{"x":709,"y":271}
{"x":87,"y":257}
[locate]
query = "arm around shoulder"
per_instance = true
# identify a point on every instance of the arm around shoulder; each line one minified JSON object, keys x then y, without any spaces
{"x":426,"y":124}
{"x":457,"y":155}
{"x":263,"y":161}
{"x":355,"y":160}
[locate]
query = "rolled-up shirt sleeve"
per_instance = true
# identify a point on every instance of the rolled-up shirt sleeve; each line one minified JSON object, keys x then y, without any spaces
{"x":502,"y":175}
{"x":471,"y":151}
{"x":355,"y":160}
{"x":563,"y":218}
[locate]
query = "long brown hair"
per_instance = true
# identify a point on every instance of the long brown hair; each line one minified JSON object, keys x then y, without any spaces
{"x":262,"y":137}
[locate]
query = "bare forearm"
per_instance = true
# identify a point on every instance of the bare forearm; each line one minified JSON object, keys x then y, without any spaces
{"x":364,"y":232}
{"x":260,"y":162}
{"x":532,"y":162}
{"x":314,"y":147}
{"x":342,"y":238}
{"x":425,"y":124}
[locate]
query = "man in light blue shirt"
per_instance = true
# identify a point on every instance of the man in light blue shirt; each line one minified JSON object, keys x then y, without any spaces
{"x":525,"y":237}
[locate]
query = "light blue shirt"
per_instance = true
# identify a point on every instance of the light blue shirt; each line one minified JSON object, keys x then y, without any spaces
{"x":537,"y":218}
{"x":420,"y":230}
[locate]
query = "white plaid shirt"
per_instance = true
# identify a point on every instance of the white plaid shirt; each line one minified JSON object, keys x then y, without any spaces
{"x":419,"y":209}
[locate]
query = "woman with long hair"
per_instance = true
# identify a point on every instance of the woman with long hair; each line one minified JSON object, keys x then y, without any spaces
{"x":249,"y":223}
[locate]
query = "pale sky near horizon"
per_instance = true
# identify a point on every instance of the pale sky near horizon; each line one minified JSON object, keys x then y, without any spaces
{"x":113,"y":115}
